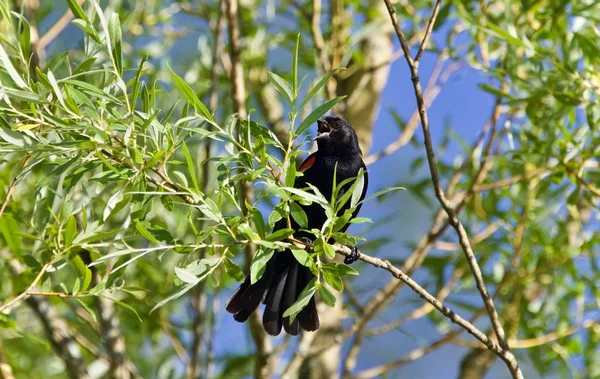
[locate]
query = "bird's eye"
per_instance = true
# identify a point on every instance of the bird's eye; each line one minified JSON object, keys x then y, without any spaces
{"x":338,"y":124}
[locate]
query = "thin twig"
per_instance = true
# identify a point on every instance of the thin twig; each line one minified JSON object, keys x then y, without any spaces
{"x":29,"y":291}
{"x":430,"y":24}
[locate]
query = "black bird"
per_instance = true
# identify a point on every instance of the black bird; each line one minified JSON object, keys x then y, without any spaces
{"x":284,"y":278}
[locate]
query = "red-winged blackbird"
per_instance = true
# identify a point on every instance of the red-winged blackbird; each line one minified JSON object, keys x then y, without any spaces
{"x":284,"y":278}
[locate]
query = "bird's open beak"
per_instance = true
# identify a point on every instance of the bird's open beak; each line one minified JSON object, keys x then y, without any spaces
{"x":323,"y":129}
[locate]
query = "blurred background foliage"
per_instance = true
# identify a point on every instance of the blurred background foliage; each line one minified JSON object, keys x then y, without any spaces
{"x":104,"y":146}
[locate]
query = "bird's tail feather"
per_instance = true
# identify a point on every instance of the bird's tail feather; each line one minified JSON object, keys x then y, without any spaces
{"x":279,"y":287}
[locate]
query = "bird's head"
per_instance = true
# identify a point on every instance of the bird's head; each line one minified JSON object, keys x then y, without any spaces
{"x":336,"y":136}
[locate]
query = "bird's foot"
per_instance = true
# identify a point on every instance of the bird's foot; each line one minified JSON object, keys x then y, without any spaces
{"x":354,"y":255}
{"x":308,"y":242}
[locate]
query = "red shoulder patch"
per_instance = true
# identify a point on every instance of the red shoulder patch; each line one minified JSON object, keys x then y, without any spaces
{"x":308,"y":163}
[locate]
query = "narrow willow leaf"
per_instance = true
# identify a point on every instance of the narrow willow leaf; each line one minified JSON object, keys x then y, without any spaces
{"x":186,"y":276}
{"x":12,"y":72}
{"x":25,"y":34}
{"x":143,"y":231}
{"x":190,"y":96}
{"x":305,"y":296}
{"x":317,"y":113}
{"x":281,"y":86}
{"x":258,"y":264}
{"x":190,"y":164}
{"x":358,"y":189}
{"x":313,"y":91}
{"x":298,"y":215}
{"x":56,"y":89}
{"x":383,"y":191}
{"x":279,"y":235}
{"x":295,"y":68}
{"x":327,"y":296}
{"x":114,"y":27}
{"x":76,"y":9}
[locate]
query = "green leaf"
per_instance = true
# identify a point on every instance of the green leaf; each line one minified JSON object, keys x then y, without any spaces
{"x":114,"y":28}
{"x":308,"y":196}
{"x":174,"y":296}
{"x":186,"y":276}
{"x":25,"y":34}
{"x":136,"y":81}
{"x":327,"y":296}
{"x":313,"y":91}
{"x":259,"y":261}
{"x":70,"y":230}
{"x":329,"y":250}
{"x":14,"y":75}
{"x":279,"y":235}
{"x":233,"y":270}
{"x":298,"y":214}
{"x":303,"y":299}
{"x":76,"y":9}
{"x":302,"y":257}
{"x":143,"y":231}
{"x":281,"y":86}
{"x":259,"y":222}
{"x":8,"y":227}
{"x":191,"y":97}
{"x":334,"y":280}
{"x":88,"y":309}
{"x":317,"y":113}
{"x":190,"y":164}
{"x":295,"y":67}
{"x":358,"y":189}
{"x":92,"y":90}
{"x":290,"y":174}
{"x":12,"y":137}
{"x":76,"y":286}
{"x":495,"y":91}
{"x":383,"y":191}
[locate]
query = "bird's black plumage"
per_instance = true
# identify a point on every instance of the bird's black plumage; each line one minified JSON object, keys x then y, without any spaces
{"x":284,"y":278}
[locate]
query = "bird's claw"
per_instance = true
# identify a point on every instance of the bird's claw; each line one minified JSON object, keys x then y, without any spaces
{"x":354,"y":255}
{"x":308,"y":242}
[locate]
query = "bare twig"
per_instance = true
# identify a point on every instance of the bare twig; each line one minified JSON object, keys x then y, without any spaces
{"x":503,"y":351}
{"x":430,"y":24}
